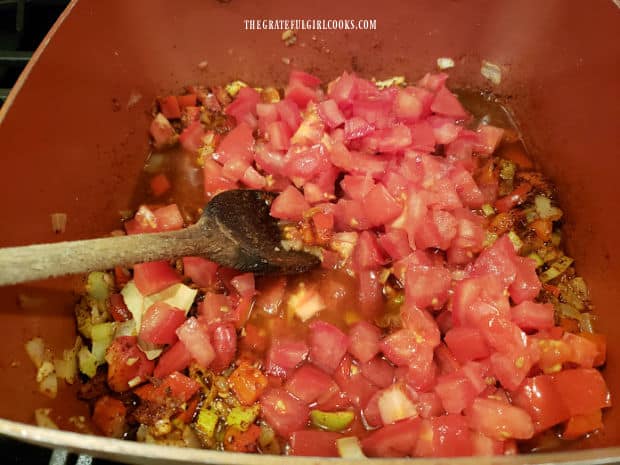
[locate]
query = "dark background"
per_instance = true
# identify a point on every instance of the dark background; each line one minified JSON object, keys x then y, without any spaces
{"x":23,"y":24}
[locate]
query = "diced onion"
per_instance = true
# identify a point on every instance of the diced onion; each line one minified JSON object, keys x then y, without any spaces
{"x":35,"y":348}
{"x":152,"y":351}
{"x":393,"y":81}
{"x":42,"y":418}
{"x":445,"y":63}
{"x":134,"y":301}
{"x":59,"y":222}
{"x":491,"y":71}
{"x":349,"y":448}
{"x":49,"y":386}
{"x":87,"y":362}
{"x":305,"y":303}
{"x":394,"y":405}
{"x":46,"y":369}
{"x":126,"y":328}
{"x":177,"y":295}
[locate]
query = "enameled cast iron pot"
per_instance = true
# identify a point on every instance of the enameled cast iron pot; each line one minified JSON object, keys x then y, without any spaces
{"x":73,"y":139}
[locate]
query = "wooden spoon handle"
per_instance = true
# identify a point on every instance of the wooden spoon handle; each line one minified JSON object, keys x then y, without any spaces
{"x":29,"y":263}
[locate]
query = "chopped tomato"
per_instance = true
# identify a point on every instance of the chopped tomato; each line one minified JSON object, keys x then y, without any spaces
{"x":169,"y":106}
{"x":200,"y":270}
{"x":176,"y":386}
{"x":583,"y":390}
{"x":451,"y":436}
{"x":153,"y":277}
{"x":237,"y":440}
{"x":162,"y":132}
{"x":327,"y":345}
{"x":289,"y":205}
{"x":160,"y":184}
{"x":176,"y":358}
{"x":499,"y":420}
{"x":466,"y":344}
{"x":223,"y":338}
{"x":532,"y":315}
{"x":396,"y":440}
{"x":195,"y":338}
{"x":248,"y":383}
{"x":109,"y":416}
{"x":160,"y":322}
{"x":539,"y":397}
{"x":283,"y":412}
{"x":118,"y":309}
{"x":309,"y":384}
{"x":284,"y":355}
{"x":127,"y":364}
{"x":580,"y":425}
{"x":379,"y":371}
{"x":364,"y":339}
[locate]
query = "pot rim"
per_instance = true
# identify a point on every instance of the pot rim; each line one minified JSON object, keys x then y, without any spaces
{"x":136,"y":452}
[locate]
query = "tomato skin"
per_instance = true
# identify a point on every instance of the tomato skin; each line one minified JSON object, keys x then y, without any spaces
{"x":120,"y":373}
{"x":539,"y":397}
{"x":160,"y":322}
{"x":109,"y":416}
{"x":314,"y":443}
{"x":583,"y":390}
{"x":153,"y":277}
{"x":395,"y":440}
{"x":176,"y":358}
{"x":283,"y":412}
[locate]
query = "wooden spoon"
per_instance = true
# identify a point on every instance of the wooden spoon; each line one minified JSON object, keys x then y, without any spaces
{"x":235,"y":230}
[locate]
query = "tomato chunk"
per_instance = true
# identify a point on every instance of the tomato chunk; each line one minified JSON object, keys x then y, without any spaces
{"x":160,"y":323}
{"x":153,"y":277}
{"x":283,"y":412}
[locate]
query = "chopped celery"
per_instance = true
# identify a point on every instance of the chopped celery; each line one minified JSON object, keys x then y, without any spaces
{"x":516,"y":240}
{"x":349,"y":448}
{"x":102,"y":335}
{"x":331,"y":421}
{"x":234,"y":87}
{"x":539,"y":261}
{"x":556,"y":269}
{"x":490,"y":239}
{"x":207,"y":421}
{"x":488,"y":209}
{"x":242,"y":417}
{"x":87,"y":361}
{"x":98,"y":285}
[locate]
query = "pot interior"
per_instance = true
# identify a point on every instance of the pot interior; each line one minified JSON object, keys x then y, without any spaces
{"x":74,"y":133}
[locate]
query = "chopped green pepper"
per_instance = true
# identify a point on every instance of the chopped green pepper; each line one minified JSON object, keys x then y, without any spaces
{"x":207,"y":421}
{"x":331,"y":421}
{"x":98,"y":285}
{"x":556,"y":269}
{"x":242,"y":417}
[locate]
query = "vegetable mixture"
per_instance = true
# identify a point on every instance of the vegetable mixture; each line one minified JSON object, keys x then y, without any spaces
{"x":445,"y":319}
